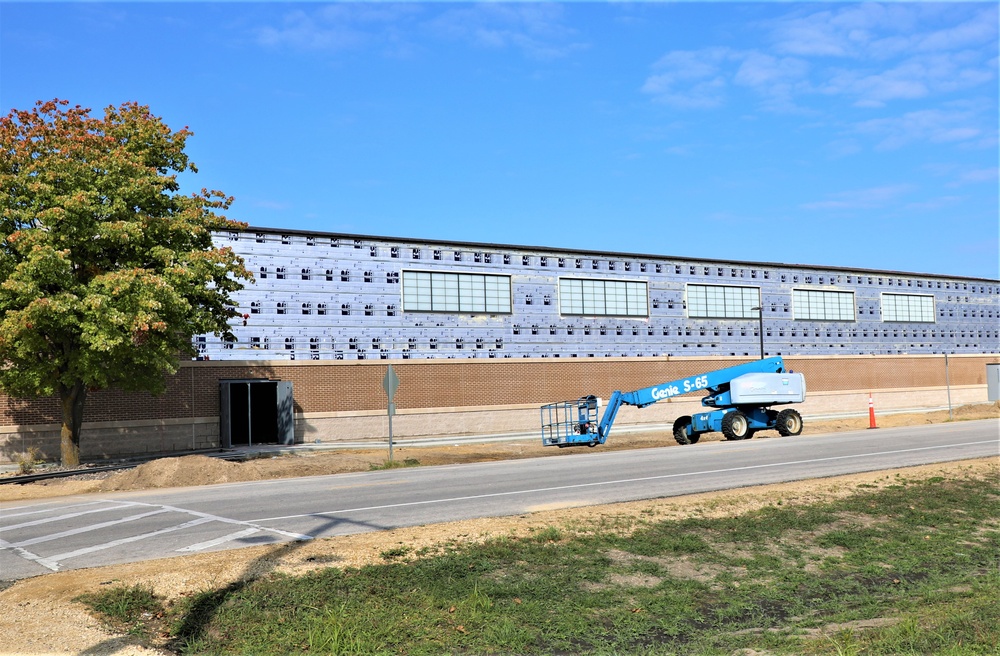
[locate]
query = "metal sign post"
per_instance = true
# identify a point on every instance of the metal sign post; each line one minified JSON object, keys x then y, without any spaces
{"x":947,"y":382}
{"x":390,"y":384}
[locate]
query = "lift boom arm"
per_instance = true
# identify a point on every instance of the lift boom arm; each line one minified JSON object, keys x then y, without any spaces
{"x":716,"y":383}
{"x":740,"y":399}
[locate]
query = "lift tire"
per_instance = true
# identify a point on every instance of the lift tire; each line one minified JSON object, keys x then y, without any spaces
{"x":680,"y":431}
{"x":789,"y":422}
{"x":735,"y":426}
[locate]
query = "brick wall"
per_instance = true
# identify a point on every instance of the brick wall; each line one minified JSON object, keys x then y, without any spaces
{"x":122,"y":422}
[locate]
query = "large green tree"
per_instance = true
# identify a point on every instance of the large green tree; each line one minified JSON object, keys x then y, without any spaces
{"x":106,"y":269}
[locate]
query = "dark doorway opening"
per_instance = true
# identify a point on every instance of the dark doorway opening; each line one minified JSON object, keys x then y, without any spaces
{"x":256,"y":411}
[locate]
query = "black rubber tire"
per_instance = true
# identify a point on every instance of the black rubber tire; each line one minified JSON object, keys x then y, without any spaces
{"x":680,"y":431}
{"x":788,"y":423}
{"x":735,"y":426}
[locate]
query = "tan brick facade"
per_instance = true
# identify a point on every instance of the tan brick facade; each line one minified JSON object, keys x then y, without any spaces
{"x":344,"y":400}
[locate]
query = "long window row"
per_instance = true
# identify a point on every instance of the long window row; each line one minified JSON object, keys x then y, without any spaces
{"x":428,"y":291}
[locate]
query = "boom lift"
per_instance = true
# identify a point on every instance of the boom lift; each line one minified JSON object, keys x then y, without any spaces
{"x":740,"y":399}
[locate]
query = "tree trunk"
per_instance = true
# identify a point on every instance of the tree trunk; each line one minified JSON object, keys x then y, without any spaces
{"x":72,"y":398}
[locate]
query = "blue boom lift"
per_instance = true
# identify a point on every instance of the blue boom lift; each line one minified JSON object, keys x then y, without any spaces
{"x":740,"y":399}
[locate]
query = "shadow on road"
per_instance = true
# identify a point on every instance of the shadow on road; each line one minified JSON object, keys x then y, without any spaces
{"x":201,"y":612}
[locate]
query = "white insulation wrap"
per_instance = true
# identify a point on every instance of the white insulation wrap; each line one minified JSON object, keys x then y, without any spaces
{"x":768,"y":388}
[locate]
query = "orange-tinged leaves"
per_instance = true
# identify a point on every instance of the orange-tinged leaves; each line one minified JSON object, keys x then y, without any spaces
{"x":103,"y":254}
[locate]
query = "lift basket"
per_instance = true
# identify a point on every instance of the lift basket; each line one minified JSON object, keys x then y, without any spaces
{"x":569,"y":422}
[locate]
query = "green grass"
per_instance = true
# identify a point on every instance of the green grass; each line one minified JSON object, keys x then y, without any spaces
{"x":395,"y":464}
{"x":127,"y":609}
{"x":909,"y":569}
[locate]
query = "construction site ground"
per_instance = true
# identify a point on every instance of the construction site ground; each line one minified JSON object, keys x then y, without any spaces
{"x":40,"y":615}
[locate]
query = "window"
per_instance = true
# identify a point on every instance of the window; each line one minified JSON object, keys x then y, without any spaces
{"x":616,"y":298}
{"x":822,"y":305}
{"x":424,"y":291}
{"x":908,"y":307}
{"x":722,"y":302}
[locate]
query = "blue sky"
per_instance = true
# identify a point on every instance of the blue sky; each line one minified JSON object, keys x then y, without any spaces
{"x":860,"y":135}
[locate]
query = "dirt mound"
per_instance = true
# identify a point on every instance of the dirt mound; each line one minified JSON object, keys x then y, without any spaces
{"x":978,"y":411}
{"x":181,"y":472}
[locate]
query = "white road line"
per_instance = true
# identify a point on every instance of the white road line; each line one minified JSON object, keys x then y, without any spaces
{"x":59,"y":518}
{"x":621,"y":481}
{"x":86,"y":529}
{"x":58,"y":558}
{"x":217,"y":541}
{"x":27,"y":555}
{"x":227,"y":520}
{"x":7,"y":513}
{"x":54,"y":562}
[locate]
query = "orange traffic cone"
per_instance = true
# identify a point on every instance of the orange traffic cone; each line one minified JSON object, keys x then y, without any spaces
{"x":871,"y":412}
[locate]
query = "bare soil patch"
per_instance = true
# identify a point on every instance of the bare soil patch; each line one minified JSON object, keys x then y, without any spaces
{"x":40,"y":617}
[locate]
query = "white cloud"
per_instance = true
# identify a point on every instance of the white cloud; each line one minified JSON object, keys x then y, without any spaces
{"x":811,"y":36}
{"x":934,"y":125}
{"x":934,"y":204}
{"x":871,"y":55}
{"x":844,"y":147}
{"x":991,"y":175}
{"x":916,"y":77}
{"x":884,"y":31}
{"x":759,"y":69}
{"x":981,"y":29}
{"x":337,"y":27}
{"x":691,"y":79}
{"x":537,"y":30}
{"x":775,"y":79}
{"x":857,"y":199}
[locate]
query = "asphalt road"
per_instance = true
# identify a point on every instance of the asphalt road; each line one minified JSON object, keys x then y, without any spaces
{"x":94,"y":530}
